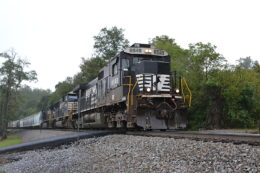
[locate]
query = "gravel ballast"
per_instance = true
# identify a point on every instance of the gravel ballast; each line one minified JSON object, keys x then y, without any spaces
{"x":124,"y":153}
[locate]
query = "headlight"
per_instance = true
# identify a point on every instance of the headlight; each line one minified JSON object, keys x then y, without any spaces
{"x":177,"y":90}
{"x":148,"y":51}
{"x":148,"y":90}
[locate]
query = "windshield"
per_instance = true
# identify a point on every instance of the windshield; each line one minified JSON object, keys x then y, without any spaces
{"x":149,"y":58}
{"x":72,"y":98}
{"x":125,"y":64}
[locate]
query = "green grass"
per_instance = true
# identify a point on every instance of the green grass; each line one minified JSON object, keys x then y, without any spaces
{"x":11,"y":140}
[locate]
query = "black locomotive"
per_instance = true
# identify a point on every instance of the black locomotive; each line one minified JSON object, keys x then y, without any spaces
{"x":136,"y":89}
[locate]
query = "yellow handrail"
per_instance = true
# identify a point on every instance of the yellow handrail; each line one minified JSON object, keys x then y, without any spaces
{"x":183,"y":80}
{"x":132,"y":94}
{"x":129,"y":91}
{"x":182,"y":91}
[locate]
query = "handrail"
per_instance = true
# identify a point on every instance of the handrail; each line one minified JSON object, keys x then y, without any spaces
{"x":190,"y":94}
{"x":182,"y":91}
{"x":129,"y":91}
{"x":137,"y":80}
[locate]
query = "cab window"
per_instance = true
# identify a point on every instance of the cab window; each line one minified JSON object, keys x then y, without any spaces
{"x":125,"y":64}
{"x":114,"y":69}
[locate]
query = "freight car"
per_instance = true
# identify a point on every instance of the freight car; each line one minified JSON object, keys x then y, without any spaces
{"x":32,"y":121}
{"x":14,"y":124}
{"x":136,"y":89}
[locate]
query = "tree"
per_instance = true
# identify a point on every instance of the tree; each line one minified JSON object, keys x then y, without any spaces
{"x":200,"y":64}
{"x":256,"y":67}
{"x":28,"y":101}
{"x":179,"y":60}
{"x":205,"y":64}
{"x":61,"y":89}
{"x":204,"y":58}
{"x":90,"y":68}
{"x":247,"y":63}
{"x":12,"y":74}
{"x":109,"y":42}
{"x":241,"y":90}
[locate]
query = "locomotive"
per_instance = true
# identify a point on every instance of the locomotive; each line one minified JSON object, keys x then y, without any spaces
{"x":136,"y":89}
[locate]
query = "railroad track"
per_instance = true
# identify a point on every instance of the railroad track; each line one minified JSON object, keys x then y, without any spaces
{"x":228,"y":137}
{"x":235,"y":138}
{"x":56,"y":141}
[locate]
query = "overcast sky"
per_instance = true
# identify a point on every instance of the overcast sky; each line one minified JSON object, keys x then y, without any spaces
{"x":53,"y":35}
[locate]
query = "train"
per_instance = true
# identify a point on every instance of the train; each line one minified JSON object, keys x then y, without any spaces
{"x":135,"y":90}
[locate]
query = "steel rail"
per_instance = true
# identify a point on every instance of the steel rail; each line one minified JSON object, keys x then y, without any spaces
{"x":235,"y":138}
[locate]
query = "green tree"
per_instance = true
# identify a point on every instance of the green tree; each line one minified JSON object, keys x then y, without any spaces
{"x":205,"y":64}
{"x":200,"y":65}
{"x":248,"y":63}
{"x":203,"y":58}
{"x":241,"y":90}
{"x":90,"y":68}
{"x":61,"y":89}
{"x":28,"y":101}
{"x":109,"y":42}
{"x":179,"y":60}
{"x":12,"y":74}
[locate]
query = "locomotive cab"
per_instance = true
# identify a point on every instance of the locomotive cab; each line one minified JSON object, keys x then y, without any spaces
{"x":155,"y":97}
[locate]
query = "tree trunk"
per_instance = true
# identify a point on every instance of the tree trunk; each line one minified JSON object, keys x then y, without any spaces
{"x":258,"y":123}
{"x":215,"y":106}
{"x":4,"y":113}
{"x":214,"y":116}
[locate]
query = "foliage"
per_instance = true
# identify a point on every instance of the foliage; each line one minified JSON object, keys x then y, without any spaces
{"x":109,"y":42}
{"x":29,"y":101}
{"x":204,"y":59}
{"x":61,"y":89}
{"x":241,"y":89}
{"x":247,"y":63}
{"x":12,"y":74}
{"x":223,"y":95}
{"x":178,"y":55}
{"x":90,"y":68}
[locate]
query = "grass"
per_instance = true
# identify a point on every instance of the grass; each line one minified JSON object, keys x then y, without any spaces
{"x":11,"y":140}
{"x":251,"y":130}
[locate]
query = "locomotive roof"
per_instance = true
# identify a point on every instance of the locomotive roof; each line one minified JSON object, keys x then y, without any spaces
{"x":145,"y":49}
{"x":141,"y":45}
{"x":84,"y":85}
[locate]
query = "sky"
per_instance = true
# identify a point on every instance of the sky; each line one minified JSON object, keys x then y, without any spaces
{"x":53,"y":35}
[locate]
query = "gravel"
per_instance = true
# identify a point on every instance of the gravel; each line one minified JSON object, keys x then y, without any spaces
{"x":124,"y":153}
